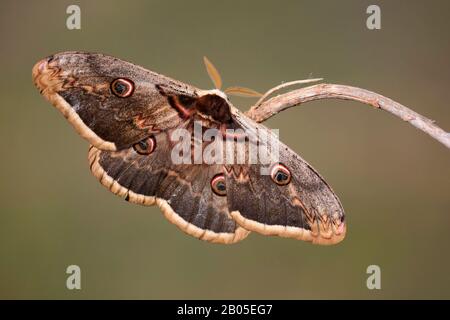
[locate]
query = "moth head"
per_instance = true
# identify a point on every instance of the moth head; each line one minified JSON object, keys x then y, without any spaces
{"x":217,"y":80}
{"x":216,"y":92}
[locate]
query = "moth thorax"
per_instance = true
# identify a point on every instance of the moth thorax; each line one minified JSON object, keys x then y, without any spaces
{"x":214,"y":106}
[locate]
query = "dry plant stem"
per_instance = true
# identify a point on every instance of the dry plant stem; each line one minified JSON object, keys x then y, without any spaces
{"x":269,"y":108}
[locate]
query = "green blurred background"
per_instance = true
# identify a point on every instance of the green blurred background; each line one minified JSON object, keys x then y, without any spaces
{"x":393,"y":180}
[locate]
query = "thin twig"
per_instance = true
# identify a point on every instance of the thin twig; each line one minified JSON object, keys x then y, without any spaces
{"x":284,"y":85}
{"x":269,"y":108}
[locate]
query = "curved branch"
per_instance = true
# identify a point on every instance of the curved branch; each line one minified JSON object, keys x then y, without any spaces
{"x":269,"y":108}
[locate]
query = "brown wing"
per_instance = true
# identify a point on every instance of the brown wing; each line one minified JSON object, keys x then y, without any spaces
{"x":183,"y":192}
{"x":80,"y":86}
{"x":290,"y":199}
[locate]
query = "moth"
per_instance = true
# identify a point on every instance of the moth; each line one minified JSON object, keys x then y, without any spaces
{"x":129,"y":115}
